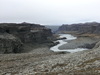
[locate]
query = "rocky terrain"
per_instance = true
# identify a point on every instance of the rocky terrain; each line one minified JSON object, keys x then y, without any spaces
{"x":14,"y":37}
{"x":91,"y":28}
{"x":42,"y":61}
{"x":80,"y":42}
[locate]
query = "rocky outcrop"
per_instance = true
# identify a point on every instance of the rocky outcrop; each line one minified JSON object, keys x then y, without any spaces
{"x":92,"y":27}
{"x":12,"y":36}
{"x":9,"y":44}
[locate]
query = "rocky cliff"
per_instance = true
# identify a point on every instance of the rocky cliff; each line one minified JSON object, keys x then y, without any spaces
{"x":42,"y":61}
{"x":13,"y":36}
{"x":92,"y":27}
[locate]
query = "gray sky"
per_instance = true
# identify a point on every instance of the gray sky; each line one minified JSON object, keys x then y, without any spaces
{"x":50,"y":11}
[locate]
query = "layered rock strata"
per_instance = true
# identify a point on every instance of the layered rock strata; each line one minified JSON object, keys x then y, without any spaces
{"x":92,"y":27}
{"x":13,"y":36}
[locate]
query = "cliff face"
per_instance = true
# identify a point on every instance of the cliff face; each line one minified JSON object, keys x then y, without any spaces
{"x":92,"y":27}
{"x":9,"y":43}
{"x":13,"y":36}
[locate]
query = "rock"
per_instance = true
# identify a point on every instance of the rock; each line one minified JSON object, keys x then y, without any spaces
{"x":27,"y":33}
{"x":9,"y":44}
{"x":61,"y":38}
{"x":97,"y":45}
{"x":80,"y":42}
{"x":89,"y":46}
{"x":92,"y":27}
{"x":54,"y":43}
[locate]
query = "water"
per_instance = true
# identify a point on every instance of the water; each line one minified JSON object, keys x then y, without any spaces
{"x":62,"y":42}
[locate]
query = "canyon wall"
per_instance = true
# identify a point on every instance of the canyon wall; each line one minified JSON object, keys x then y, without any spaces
{"x":92,"y":27}
{"x":13,"y":36}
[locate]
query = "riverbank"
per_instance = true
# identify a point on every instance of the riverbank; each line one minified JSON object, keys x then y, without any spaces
{"x":80,"y":42}
{"x":79,"y":63}
{"x":42,"y":61}
{"x":62,"y":42}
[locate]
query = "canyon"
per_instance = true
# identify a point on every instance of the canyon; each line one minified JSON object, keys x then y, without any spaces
{"x":43,"y":61}
{"x":14,"y":37}
{"x":88,"y":27}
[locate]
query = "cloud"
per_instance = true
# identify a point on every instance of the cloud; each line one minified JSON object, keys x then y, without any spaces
{"x":49,"y":11}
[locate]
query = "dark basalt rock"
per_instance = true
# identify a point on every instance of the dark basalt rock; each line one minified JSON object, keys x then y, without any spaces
{"x":9,"y":44}
{"x":62,"y":38}
{"x":23,"y":33}
{"x":92,"y":27}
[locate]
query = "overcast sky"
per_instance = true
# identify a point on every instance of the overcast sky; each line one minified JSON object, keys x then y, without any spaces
{"x":51,"y":12}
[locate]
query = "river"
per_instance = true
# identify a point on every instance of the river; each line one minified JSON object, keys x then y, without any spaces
{"x":62,"y":42}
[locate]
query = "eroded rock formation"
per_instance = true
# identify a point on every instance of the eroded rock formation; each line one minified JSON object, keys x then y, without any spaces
{"x":92,"y":27}
{"x":13,"y":36}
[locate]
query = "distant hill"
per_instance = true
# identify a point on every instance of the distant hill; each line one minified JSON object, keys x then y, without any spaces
{"x":89,"y":27}
{"x":53,"y":28}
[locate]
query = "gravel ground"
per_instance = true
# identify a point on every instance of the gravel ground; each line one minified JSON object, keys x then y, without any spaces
{"x":14,"y":63}
{"x":79,"y":63}
{"x":42,"y":61}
